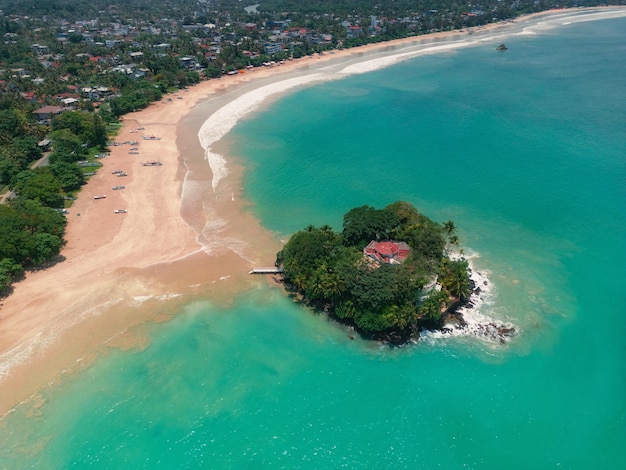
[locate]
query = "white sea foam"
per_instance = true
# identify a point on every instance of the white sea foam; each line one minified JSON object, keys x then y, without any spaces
{"x":192,"y":190}
{"x":225,"y":118}
{"x":382,"y":62}
{"x":180,"y":258}
{"x":236,"y":245}
{"x":141,"y":299}
{"x":20,"y":354}
{"x":572,"y":17}
{"x":42,"y":340}
{"x":478,"y":319}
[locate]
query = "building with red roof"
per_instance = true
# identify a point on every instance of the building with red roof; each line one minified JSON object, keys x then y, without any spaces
{"x":389,"y":252}
{"x":29,"y":96}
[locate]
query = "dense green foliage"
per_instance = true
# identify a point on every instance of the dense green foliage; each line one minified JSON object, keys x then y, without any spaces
{"x":134,"y":98}
{"x":31,"y":224}
{"x":87,"y":127}
{"x":30,"y":235}
{"x":329,"y":271}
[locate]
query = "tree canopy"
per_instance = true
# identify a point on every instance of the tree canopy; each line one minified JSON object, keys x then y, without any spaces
{"x":30,"y":235}
{"x":31,"y":224}
{"x":329,"y":271}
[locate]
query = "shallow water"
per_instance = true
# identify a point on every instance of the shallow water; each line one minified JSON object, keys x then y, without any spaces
{"x":524,"y":150}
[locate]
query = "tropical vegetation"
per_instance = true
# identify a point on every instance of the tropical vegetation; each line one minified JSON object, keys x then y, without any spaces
{"x":329,"y":271}
{"x":40,"y":184}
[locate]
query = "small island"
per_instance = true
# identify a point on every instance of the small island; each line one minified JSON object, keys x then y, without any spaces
{"x":388,"y":274}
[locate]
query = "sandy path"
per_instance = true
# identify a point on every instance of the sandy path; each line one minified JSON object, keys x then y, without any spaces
{"x":120,"y":268}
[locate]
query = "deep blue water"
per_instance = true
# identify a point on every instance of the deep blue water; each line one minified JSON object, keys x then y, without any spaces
{"x":525,"y":150}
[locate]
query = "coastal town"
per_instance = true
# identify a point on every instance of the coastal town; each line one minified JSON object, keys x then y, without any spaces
{"x":82,"y":59}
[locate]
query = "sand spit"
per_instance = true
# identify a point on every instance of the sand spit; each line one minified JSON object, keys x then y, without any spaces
{"x":185,"y":233}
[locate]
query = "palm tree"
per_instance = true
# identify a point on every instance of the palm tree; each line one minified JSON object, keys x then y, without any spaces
{"x":431,"y":309}
{"x":401,"y":317}
{"x":450,"y":232}
{"x":334,"y":286}
{"x":315,"y":288}
{"x":458,"y":284}
{"x":449,"y":228}
{"x":300,"y":282}
{"x":346,"y":309}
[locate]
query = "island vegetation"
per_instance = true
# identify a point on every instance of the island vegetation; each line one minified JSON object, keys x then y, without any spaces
{"x":388,"y":273}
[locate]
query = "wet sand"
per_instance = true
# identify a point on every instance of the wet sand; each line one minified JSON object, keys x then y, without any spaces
{"x":186,"y":234}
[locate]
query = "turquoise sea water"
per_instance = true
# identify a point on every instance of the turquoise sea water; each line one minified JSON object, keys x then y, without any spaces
{"x":526,"y":151}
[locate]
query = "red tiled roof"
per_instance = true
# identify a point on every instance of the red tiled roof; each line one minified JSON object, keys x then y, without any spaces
{"x":387,"y":251}
{"x":387,"y":248}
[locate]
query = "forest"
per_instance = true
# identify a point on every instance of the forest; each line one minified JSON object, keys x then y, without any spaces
{"x":382,"y":300}
{"x":41,"y":184}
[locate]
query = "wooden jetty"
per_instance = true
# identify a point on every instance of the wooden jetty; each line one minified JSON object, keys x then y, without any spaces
{"x":267,"y":270}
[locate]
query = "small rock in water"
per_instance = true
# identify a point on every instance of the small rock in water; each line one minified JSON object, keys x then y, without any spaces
{"x":495,"y":332}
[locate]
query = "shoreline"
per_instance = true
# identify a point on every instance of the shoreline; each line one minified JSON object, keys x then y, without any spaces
{"x":185,"y":236}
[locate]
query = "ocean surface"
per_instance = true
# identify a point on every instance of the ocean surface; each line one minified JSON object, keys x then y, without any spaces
{"x":526,"y":151}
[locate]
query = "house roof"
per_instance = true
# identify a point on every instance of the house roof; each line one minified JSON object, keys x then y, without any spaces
{"x":387,"y":251}
{"x":386,"y":248}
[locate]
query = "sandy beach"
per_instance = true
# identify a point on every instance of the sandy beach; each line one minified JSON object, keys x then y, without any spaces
{"x":186,"y":233}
